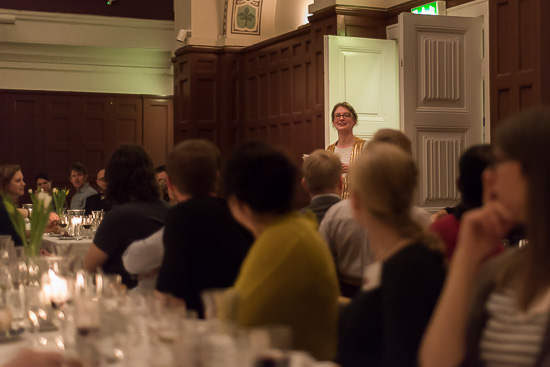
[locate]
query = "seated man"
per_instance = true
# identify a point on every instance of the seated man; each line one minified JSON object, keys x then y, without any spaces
{"x":203,"y":245}
{"x":97,"y":201}
{"x":160,"y":176}
{"x":322,"y":171}
{"x":288,"y":277}
{"x":79,"y":179}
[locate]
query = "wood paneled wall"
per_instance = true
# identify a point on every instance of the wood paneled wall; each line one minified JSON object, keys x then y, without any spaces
{"x":144,"y":9}
{"x":519,"y":39}
{"x":271,"y":91}
{"x":48,"y":131}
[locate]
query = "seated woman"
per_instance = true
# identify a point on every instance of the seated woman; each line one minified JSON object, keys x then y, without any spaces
{"x":508,"y":322}
{"x":44,"y":183}
{"x":384,"y":323}
{"x":12,"y":184}
{"x":137,"y":212}
{"x":288,"y":276}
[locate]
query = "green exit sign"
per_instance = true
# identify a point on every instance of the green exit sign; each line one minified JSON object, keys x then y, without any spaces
{"x":433,"y":8}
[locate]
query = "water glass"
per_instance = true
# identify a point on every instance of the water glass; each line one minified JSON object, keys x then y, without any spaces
{"x":7,"y":250}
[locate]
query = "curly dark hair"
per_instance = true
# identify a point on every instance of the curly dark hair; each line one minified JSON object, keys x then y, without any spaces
{"x":130,"y":176}
{"x":262,"y":177}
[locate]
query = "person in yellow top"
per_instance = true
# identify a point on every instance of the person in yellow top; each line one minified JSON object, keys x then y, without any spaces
{"x":288,"y":276}
{"x":348,"y":147}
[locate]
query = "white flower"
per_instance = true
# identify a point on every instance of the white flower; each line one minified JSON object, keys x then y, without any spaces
{"x":44,"y":198}
{"x":54,"y":190}
{"x":30,"y":191}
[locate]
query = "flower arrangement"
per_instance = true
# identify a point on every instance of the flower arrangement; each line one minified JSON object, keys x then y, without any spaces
{"x":39,"y":221}
{"x":59,"y":197}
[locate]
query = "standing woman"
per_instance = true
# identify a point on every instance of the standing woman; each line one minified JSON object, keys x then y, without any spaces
{"x":508,"y":322}
{"x":137,"y":211}
{"x":348,"y":147}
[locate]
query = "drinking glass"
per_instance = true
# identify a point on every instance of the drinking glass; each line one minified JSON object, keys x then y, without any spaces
{"x":7,"y":250}
{"x":63,"y":223}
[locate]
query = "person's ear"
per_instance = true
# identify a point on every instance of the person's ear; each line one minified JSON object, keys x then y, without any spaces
{"x":169,"y":185}
{"x":304,"y":185}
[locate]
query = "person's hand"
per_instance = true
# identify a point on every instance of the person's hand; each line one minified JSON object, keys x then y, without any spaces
{"x":438,"y":215}
{"x":345,"y":168}
{"x":481,"y":230}
{"x":50,"y":227}
{"x":53,"y":217}
{"x":31,"y":358}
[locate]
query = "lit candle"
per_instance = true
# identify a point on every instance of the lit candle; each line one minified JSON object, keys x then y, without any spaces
{"x":80,"y":284}
{"x":59,"y":288}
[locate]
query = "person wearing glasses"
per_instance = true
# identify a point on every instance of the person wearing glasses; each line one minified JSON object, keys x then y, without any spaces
{"x":348,"y":147}
{"x":97,"y":201}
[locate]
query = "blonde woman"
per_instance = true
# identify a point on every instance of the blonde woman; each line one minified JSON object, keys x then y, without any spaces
{"x":348,"y":147}
{"x":509,"y":321}
{"x":384,"y":323}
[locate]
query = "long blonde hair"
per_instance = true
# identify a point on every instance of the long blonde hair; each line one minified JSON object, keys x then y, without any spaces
{"x":384,"y":179}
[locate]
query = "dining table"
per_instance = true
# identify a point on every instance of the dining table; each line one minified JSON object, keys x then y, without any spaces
{"x":9,"y":347}
{"x":58,"y":245}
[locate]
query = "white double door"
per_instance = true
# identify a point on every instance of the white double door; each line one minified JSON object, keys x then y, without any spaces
{"x":428,"y":84}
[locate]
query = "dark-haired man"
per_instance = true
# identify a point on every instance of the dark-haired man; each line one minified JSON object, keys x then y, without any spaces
{"x":203,"y":245}
{"x":79,"y":179}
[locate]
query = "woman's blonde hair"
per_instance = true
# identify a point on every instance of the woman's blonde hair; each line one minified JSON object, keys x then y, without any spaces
{"x":384,"y":179}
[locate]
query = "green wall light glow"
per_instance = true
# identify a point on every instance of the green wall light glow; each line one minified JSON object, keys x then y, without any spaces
{"x":433,"y":8}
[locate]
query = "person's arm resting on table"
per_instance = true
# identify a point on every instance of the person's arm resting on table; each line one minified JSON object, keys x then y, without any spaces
{"x":94,"y":259}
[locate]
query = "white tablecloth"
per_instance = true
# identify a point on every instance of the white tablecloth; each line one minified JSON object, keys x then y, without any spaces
{"x":9,"y":350}
{"x":80,"y":247}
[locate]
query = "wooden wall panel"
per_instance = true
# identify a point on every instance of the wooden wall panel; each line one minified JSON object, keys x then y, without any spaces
{"x":158,"y":128}
{"x":48,"y":131}
{"x":145,"y":9}
{"x":518,"y":38}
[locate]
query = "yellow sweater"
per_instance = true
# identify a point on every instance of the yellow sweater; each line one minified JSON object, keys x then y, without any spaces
{"x":288,"y":278}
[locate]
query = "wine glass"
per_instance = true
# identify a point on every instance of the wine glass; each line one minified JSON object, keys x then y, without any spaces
{"x":87,"y":223}
{"x":63,"y":223}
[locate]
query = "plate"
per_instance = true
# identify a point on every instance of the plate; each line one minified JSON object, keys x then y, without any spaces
{"x":67,"y":238}
{"x":11,"y":335}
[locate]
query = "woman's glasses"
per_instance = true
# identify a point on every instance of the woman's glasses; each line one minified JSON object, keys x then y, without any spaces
{"x":346,"y":115}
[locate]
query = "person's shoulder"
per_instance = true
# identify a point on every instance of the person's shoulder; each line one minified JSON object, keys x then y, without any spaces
{"x":445,"y":222}
{"x":416,"y":254}
{"x":421,"y":216}
{"x":342,"y":209}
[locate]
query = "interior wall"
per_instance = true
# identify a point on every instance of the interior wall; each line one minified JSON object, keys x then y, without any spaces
{"x":144,"y":9}
{"x":61,"y":52}
{"x":48,"y":131}
{"x":519,"y":36}
{"x":290,"y":14}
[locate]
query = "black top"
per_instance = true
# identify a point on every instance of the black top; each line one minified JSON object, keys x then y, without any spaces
{"x":123,"y":225}
{"x":6,"y":226}
{"x":204,"y":248}
{"x":384,"y":326}
{"x":95,"y":202}
{"x":320,"y":204}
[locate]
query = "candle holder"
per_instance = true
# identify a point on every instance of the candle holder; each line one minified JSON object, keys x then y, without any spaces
{"x":75,"y":221}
